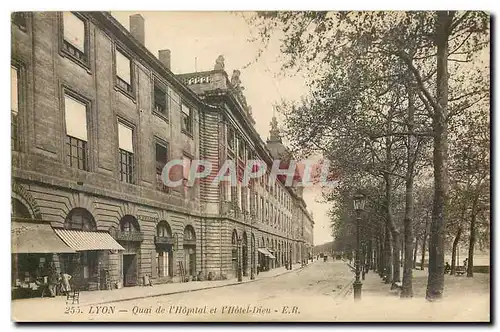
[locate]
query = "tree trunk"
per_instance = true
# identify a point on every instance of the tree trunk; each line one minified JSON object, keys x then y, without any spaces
{"x":388,"y":257}
{"x":435,"y":281}
{"x":424,"y":242}
{"x":415,"y":250}
{"x":394,"y":233}
{"x":370,"y":255}
{"x":472,"y":239}
{"x":407,"y":290}
{"x":381,"y":255}
{"x":402,"y":250}
{"x":396,"y":257}
{"x":454,"y":250}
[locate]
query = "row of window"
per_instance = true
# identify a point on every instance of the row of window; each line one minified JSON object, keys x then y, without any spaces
{"x":75,"y":39}
{"x":238,"y":150}
{"x":248,"y":201}
{"x":75,"y":115}
{"x":75,"y":46}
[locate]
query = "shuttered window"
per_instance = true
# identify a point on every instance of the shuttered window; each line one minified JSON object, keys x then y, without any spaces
{"x":123,"y":71}
{"x":75,"y":116}
{"x":126,"y":152}
{"x":14,"y":108}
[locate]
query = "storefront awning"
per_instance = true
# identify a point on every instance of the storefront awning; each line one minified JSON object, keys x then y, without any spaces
{"x":84,"y":240}
{"x":36,"y":238}
{"x":266,"y":252}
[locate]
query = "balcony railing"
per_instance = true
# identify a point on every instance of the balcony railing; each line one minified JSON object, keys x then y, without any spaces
{"x":164,"y":240}
{"x":128,"y":236}
{"x":198,"y":79}
{"x":189,"y":242}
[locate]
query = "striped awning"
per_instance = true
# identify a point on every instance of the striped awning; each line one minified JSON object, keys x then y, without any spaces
{"x":85,"y":240}
{"x":36,"y":238}
{"x":266,"y":252}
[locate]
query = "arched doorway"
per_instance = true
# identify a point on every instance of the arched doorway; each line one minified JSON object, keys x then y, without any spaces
{"x":234,"y":251}
{"x":189,"y":244}
{"x":244,"y":254}
{"x":297,"y":253}
{"x":130,"y":238}
{"x":164,"y":253}
{"x":83,"y":266}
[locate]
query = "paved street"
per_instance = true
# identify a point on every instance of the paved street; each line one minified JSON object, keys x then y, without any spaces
{"x":318,"y":292}
{"x":312,"y":290}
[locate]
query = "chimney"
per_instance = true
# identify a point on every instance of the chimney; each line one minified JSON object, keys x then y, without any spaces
{"x":137,"y":27}
{"x":164,"y":56}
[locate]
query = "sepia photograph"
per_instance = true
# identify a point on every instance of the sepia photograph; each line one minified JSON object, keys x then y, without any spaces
{"x":250,"y":166}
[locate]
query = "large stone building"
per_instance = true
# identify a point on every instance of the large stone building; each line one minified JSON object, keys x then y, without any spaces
{"x":95,"y":117}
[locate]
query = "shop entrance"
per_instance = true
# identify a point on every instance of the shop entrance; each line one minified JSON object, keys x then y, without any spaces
{"x":130,"y":269}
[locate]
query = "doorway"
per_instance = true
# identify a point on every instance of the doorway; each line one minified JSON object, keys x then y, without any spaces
{"x":129,"y":270}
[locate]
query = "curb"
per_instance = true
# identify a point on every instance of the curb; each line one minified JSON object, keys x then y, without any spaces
{"x":192,"y":290}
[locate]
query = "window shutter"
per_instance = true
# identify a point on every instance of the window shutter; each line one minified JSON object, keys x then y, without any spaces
{"x":154,"y":272}
{"x":125,"y":138}
{"x":123,"y":67}
{"x":74,"y":31}
{"x":13,"y":92}
{"x":76,"y":118}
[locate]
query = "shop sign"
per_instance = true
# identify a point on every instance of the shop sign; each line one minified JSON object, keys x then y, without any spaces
{"x":148,"y":218}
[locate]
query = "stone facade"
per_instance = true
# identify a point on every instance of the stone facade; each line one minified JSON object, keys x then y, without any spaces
{"x":46,"y":184}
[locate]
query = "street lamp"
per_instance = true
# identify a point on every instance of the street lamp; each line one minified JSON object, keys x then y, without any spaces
{"x":252,"y":244}
{"x":240,"y":276}
{"x":359,"y":205}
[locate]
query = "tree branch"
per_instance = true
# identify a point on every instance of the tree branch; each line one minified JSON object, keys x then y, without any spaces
{"x":418,"y":78}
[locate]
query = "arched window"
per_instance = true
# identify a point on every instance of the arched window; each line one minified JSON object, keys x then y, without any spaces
{"x":19,"y":210}
{"x":129,"y":224}
{"x":163,"y":229}
{"x":189,"y":233}
{"x":234,"y":238}
{"x":80,"y":219}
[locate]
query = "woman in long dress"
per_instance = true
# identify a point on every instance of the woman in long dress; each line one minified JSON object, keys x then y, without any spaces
{"x":66,"y":287}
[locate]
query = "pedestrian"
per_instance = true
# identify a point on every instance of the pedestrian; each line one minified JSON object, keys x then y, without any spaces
{"x":447,"y":268}
{"x":465,"y":263}
{"x":53,"y":279}
{"x":66,"y":287}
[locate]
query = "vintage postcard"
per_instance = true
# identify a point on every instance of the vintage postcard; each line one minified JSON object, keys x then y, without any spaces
{"x":250,"y":166}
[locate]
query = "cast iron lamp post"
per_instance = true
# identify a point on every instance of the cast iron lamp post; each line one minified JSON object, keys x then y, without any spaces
{"x":359,"y":205}
{"x":252,"y":241}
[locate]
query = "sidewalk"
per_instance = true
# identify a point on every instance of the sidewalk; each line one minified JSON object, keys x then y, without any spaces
{"x":138,"y":292}
{"x":454,"y":286}
{"x":464,"y":300}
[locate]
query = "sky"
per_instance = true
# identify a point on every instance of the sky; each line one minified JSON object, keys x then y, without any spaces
{"x":196,"y":39}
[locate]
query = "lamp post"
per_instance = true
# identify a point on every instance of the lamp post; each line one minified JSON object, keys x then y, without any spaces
{"x":252,"y":245}
{"x":240,"y":276}
{"x":359,"y":205}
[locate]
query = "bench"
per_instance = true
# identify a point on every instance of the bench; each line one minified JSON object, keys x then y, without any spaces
{"x":460,"y":270}
{"x":397,"y":285}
